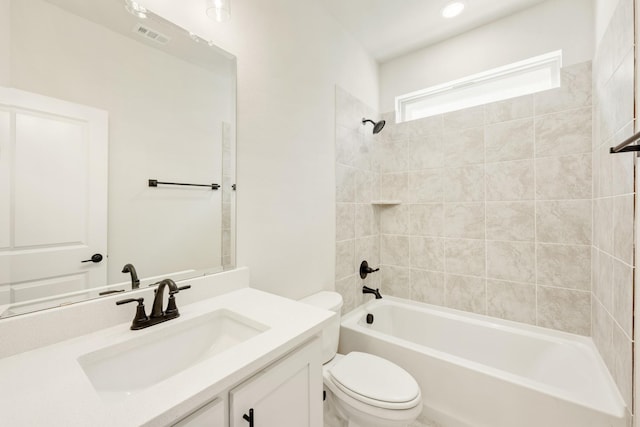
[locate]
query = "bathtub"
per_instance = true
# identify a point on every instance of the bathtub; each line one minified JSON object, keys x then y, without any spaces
{"x":477,"y":371}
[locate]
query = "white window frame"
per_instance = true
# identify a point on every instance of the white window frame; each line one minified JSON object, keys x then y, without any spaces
{"x":520,"y":78}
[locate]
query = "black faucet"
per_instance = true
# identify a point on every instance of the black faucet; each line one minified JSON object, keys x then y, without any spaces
{"x":135,"y":282}
{"x":141,"y":320}
{"x":368,"y":290}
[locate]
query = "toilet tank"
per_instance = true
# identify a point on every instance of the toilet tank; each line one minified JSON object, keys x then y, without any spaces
{"x":331,"y":301}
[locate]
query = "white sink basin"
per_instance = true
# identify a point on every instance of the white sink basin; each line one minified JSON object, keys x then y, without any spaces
{"x":123,"y":369}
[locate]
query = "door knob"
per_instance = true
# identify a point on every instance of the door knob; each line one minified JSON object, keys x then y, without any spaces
{"x":96,"y":258}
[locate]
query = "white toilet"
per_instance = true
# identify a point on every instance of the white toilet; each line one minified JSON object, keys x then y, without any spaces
{"x":366,"y":390}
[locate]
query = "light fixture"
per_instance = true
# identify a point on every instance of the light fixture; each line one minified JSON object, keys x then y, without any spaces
{"x":220,"y":10}
{"x":453,"y":9}
{"x":134,"y":8}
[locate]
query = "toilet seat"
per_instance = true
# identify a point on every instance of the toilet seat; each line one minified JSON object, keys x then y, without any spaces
{"x":375,"y":381}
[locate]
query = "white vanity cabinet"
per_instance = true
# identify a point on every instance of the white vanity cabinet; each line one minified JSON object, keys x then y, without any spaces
{"x":210,"y":415}
{"x":287,"y":393}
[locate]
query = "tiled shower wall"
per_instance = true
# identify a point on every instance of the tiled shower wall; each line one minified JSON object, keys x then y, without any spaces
{"x":613,"y":246}
{"x":496,"y":212}
{"x":357,"y":184}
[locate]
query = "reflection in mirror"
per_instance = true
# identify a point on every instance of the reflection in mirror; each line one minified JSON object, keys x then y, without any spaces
{"x":94,"y":103}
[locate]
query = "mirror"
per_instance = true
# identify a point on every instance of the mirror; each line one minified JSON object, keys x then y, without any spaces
{"x":95,"y":104}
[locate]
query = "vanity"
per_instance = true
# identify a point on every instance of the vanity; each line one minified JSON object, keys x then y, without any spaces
{"x":236,"y":356}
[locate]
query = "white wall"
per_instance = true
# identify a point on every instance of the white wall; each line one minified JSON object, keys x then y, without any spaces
{"x":165,"y":118}
{"x":291,"y":54}
{"x":5,"y":40}
{"x":552,"y":25}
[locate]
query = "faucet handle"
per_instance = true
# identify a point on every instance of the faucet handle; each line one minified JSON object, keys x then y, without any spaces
{"x":141,"y":316}
{"x":172,"y":309}
{"x":181,"y":288}
{"x":128,"y":300}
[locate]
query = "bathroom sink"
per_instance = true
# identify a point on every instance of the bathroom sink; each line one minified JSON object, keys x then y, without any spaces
{"x":123,"y":369}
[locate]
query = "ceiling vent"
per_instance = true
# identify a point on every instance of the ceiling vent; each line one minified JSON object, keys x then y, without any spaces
{"x":151,"y":34}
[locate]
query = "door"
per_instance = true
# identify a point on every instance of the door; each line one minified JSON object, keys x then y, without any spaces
{"x":287,"y":394}
{"x":53,"y":198}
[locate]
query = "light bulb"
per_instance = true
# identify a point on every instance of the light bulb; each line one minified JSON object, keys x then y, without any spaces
{"x":220,"y":10}
{"x":134,"y":8}
{"x":453,"y":9}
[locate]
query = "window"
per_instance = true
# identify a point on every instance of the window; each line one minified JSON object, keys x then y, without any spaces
{"x":517,"y":79}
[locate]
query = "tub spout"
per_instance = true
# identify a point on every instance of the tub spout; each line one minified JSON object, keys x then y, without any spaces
{"x":368,"y":290}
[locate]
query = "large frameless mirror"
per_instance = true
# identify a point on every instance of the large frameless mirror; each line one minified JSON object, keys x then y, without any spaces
{"x":105,"y":114}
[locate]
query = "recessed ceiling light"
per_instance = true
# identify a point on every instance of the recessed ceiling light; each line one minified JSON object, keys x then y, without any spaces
{"x":453,"y":9}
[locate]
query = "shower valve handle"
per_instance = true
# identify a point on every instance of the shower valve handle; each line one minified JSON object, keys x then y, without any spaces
{"x":365,"y":269}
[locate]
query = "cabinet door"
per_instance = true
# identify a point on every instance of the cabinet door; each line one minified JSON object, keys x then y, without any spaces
{"x":210,"y":415}
{"x":286,"y":394}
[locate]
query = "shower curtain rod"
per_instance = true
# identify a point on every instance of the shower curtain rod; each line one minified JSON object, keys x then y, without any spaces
{"x":623,"y":146}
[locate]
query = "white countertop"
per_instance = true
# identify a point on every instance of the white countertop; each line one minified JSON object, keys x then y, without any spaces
{"x":47,"y":386}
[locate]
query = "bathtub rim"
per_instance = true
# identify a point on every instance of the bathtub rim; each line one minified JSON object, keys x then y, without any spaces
{"x":617,"y":408}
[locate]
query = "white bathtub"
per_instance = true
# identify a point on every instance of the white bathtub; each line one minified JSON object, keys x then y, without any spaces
{"x":477,"y":371}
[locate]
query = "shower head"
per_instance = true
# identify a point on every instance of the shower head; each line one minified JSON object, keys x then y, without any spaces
{"x":377,"y":126}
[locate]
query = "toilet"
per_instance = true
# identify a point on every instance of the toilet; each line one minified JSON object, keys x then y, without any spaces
{"x":366,"y":390}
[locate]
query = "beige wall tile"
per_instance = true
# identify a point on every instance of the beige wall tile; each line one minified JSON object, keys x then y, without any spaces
{"x":427,"y":253}
{"x":463,"y":119}
{"x":346,"y":142}
{"x":394,"y":157}
{"x":564,"y":309}
{"x":509,"y":140}
{"x":566,"y":177}
{"x":603,"y":285}
{"x":623,"y":296}
{"x":623,"y":217}
{"x":413,"y":128}
{"x":464,"y":184}
{"x":366,"y":183}
{"x":564,"y":266}
{"x":427,"y":125}
{"x":464,"y":256}
{"x":623,"y":364}
{"x":394,"y":219}
{"x":427,"y":286}
{"x":511,"y":221}
{"x":426,"y":186}
{"x":510,"y":181}
{"x":563,"y":133}
{"x":509,"y":109}
{"x":345,"y":184}
{"x":426,"y":152}
{"x":394,"y":250}
{"x":465,"y":293}
{"x":345,"y":221}
{"x":622,"y":167}
{"x":464,"y":147}
{"x":602,"y":332}
{"x":574,"y":91}
{"x":365,"y":224}
{"x":511,"y":301}
{"x":567,"y":221}
{"x":345,"y":252}
{"x":464,"y":220}
{"x":396,"y":281}
{"x":603,"y":224}
{"x":347,"y":288}
{"x":512,"y":261}
{"x":426,"y":219}
{"x":394,"y":186}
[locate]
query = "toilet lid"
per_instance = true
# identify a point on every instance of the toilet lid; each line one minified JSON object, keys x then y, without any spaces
{"x":365,"y":375}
